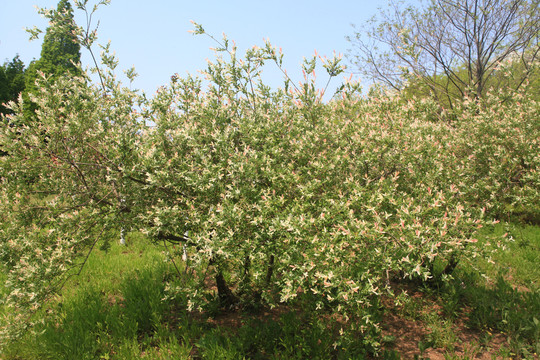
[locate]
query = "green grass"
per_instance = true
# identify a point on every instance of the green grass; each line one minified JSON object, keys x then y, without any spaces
{"x":506,"y":300}
{"x":519,"y":264}
{"x":115,"y":310}
{"x":510,"y":301}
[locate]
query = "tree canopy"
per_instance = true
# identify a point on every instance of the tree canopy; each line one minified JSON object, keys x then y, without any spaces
{"x":451,"y":48}
{"x":11,"y":82}
{"x":11,"y":85}
{"x":60,"y":52}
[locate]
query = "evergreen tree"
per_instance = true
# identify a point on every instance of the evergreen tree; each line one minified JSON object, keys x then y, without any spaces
{"x":11,"y":85}
{"x":11,"y":82}
{"x":4,"y":89}
{"x":60,"y":52}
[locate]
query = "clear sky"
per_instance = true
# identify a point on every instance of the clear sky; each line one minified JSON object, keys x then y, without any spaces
{"x":153,"y":35}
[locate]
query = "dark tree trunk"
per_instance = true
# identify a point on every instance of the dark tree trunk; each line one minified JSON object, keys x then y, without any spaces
{"x":225,"y":295}
{"x":270,"y":270}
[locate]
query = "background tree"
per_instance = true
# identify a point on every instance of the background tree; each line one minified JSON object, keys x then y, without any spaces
{"x":11,"y":82}
{"x":450,"y":48}
{"x":60,"y":52}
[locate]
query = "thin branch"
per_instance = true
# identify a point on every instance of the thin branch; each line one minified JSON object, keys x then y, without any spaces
{"x":172,"y":260}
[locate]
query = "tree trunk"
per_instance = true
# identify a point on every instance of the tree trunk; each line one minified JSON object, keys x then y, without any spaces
{"x":225,"y":295}
{"x":270,"y":270}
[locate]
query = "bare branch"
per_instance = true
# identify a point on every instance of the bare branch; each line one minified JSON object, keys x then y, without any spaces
{"x":449,"y":46}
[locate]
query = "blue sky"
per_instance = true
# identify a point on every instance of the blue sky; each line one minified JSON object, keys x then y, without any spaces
{"x":153,"y":36}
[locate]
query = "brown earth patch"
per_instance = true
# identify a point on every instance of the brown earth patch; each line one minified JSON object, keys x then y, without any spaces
{"x":409,"y":333}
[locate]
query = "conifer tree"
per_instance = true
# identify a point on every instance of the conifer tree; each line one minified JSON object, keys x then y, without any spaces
{"x":11,"y":85}
{"x":60,"y":53}
{"x":11,"y":82}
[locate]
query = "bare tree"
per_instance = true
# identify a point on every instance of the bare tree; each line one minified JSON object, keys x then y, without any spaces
{"x":452,"y":48}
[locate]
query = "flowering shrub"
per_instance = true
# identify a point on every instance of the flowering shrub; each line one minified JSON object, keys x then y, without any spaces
{"x":500,"y":158}
{"x":274,"y":194}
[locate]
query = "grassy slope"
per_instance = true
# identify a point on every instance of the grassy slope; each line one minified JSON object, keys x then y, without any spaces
{"x":114,"y":309}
